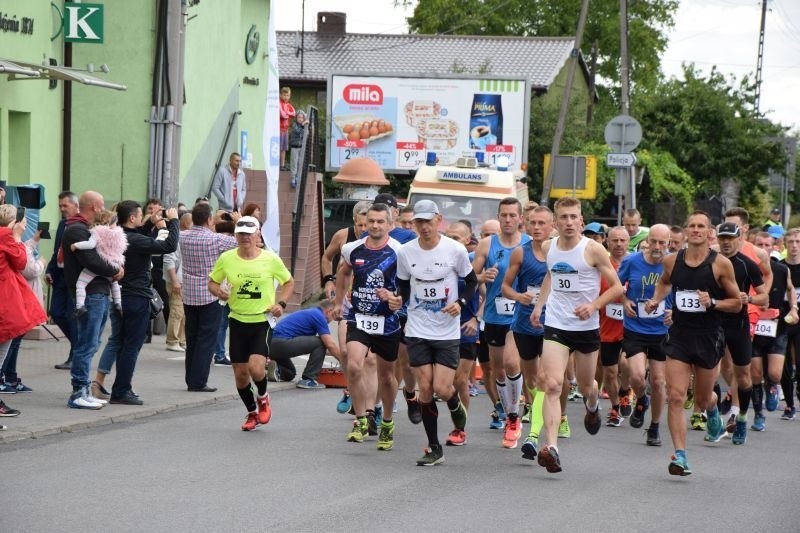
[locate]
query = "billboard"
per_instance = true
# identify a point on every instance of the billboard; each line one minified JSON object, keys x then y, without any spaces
{"x":397,"y":120}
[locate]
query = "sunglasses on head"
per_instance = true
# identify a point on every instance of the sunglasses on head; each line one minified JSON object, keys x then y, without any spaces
{"x":245,"y":224}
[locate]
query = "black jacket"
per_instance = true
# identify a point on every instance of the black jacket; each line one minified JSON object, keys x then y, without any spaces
{"x":141,"y":246}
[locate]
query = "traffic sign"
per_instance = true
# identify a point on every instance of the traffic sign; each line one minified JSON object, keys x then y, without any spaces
{"x":623,"y":133}
{"x":621,"y":160}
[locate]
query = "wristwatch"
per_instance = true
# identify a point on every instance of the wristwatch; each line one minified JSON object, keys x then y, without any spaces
{"x":462,"y":302}
{"x":713,"y":304}
{"x":282,"y":304}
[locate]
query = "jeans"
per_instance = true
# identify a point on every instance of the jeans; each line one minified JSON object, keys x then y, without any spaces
{"x":132,"y":330}
{"x":282,"y":349}
{"x":202,"y":327}
{"x":61,"y":307}
{"x":89,"y":328}
{"x":9,"y":368}
{"x":219,"y":351}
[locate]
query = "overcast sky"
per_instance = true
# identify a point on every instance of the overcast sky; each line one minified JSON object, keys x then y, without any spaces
{"x":707,"y":32}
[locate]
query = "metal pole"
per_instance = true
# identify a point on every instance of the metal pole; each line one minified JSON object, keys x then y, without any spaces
{"x":624,"y":73}
{"x":562,"y":115}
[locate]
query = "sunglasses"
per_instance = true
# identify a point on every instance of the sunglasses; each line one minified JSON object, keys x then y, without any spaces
{"x":245,"y":224}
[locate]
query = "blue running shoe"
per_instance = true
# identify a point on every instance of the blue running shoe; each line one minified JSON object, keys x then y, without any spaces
{"x":771,"y":400}
{"x":378,"y":414}
{"x":739,"y":436}
{"x":500,"y":411}
{"x":759,"y":423}
{"x":345,"y":403}
{"x":679,"y":466}
{"x":715,"y":429}
{"x":496,"y":423}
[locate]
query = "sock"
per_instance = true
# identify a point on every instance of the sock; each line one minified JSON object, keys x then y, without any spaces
{"x":734,"y":409}
{"x":262,"y":386}
{"x":502,"y":393}
{"x":680,"y":453}
{"x":758,"y":397}
{"x":744,"y":399}
{"x":453,"y":402}
{"x":537,"y":419}
{"x":653,"y":425}
{"x":249,"y":401}
{"x":615,"y":407}
{"x":515,"y":389}
{"x":409,"y":395}
{"x":430,"y":414}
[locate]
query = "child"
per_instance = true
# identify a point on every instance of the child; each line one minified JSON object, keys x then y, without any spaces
{"x":287,"y":112}
{"x":296,"y":143}
{"x":109,"y":241}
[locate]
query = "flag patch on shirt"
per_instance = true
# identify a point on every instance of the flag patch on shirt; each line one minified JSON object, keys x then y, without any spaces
{"x":359,"y":262}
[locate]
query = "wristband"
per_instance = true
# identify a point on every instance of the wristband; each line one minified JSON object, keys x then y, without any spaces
{"x":329,"y":277}
{"x":462,"y":303}
{"x":282,"y":304}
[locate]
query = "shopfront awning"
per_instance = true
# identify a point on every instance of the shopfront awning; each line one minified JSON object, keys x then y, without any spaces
{"x":21,"y":70}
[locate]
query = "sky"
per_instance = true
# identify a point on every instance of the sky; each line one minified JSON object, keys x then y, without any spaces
{"x":707,"y":32}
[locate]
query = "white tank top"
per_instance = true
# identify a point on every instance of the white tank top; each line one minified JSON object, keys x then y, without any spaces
{"x":572,"y":283}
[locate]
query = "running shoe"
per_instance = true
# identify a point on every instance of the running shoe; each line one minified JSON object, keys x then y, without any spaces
{"x":679,"y":466}
{"x":771,"y":400}
{"x":760,"y":422}
{"x":788,"y":414}
{"x":715,"y":429}
{"x":386,"y":436}
{"x":512,"y":432}
{"x":526,"y":414}
{"x":637,"y":416}
{"x":372,"y":425}
{"x":574,"y":395}
{"x":688,"y":403}
{"x":359,"y":430}
{"x":473,"y":390}
{"x":459,"y":416}
{"x":603,"y":394}
{"x":592,"y":421}
{"x":78,"y":400}
{"x":740,"y":430}
{"x":433,"y":456}
{"x":496,"y":423}
{"x":724,"y":405}
{"x":613,"y":419}
{"x":250,"y":422}
{"x":264,"y":410}
{"x":549,"y":459}
{"x":345,"y":403}
{"x":19,"y":386}
{"x":414,"y":412}
{"x":457,"y":437}
{"x":563,"y":428}
{"x":7,"y":388}
{"x":529,"y":448}
{"x":7,"y":411}
{"x":653,"y":438}
{"x":625,"y":408}
{"x":698,"y":421}
{"x":501,"y":412}
{"x":378,"y":414}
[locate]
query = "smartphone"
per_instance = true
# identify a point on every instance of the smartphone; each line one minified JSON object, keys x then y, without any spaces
{"x":163,"y":213}
{"x":20,"y":214}
{"x":44,"y":228}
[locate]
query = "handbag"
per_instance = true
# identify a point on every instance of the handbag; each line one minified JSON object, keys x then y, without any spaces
{"x":156,"y":303}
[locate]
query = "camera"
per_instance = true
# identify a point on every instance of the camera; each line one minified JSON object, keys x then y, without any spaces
{"x":20,"y":214}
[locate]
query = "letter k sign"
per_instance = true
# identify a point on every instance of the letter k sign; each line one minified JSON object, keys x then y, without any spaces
{"x":83,"y":23}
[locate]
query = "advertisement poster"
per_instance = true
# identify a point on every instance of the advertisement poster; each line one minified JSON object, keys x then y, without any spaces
{"x":397,"y":120}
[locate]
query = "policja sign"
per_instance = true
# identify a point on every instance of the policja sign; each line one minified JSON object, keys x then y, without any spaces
{"x":83,"y":23}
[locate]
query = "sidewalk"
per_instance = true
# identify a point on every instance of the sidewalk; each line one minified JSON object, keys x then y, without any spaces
{"x":158,"y":380}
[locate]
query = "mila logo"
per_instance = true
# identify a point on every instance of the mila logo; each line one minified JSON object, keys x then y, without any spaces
{"x":363,"y":94}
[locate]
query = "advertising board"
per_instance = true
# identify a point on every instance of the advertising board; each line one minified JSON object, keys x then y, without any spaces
{"x":397,"y":120}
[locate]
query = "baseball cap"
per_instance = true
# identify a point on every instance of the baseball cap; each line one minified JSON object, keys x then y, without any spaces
{"x":776,"y":231}
{"x":247,"y":225}
{"x":728,"y":229}
{"x":775,"y":211}
{"x":593,"y":227}
{"x":425,"y":209}
{"x":385,"y":198}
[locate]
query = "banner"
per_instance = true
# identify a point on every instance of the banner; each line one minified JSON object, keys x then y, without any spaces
{"x":271,"y":231}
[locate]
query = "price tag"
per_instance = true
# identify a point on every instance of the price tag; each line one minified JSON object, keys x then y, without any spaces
{"x":565,"y":281}
{"x":493,"y":151}
{"x":410,"y":155}
{"x":504,"y":306}
{"x":351,"y":149}
{"x":614,"y":311}
{"x":688,"y":302}
{"x":372,"y":324}
{"x":657,"y":312}
{"x":767,"y":328}
{"x":429,"y":290}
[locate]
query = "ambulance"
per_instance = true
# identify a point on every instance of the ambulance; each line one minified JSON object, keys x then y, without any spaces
{"x":467,"y":190}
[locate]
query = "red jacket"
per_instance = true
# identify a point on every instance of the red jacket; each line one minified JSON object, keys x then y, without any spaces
{"x":20,"y":310}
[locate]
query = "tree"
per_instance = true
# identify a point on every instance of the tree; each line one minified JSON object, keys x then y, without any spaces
{"x":648,"y":21}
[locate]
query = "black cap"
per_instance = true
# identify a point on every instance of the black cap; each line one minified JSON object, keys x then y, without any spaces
{"x":385,"y":198}
{"x":775,"y":211}
{"x":728,"y":229}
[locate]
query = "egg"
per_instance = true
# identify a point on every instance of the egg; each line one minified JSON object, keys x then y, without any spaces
{"x":353,"y":136}
{"x":373,"y":124}
{"x":364,"y":133}
{"x":347,"y":128}
{"x":373,"y":131}
{"x":381,"y":128}
{"x":388,"y":127}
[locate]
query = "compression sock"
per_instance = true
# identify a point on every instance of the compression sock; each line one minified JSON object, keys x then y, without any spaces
{"x":537,"y":418}
{"x":249,"y":401}
{"x":262,"y":386}
{"x":514,"y":392}
{"x":430,"y":414}
{"x":744,"y":399}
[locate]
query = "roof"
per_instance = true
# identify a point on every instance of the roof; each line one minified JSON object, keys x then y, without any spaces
{"x":539,"y":59}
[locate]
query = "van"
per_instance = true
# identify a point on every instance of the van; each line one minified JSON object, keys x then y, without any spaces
{"x":467,"y":191}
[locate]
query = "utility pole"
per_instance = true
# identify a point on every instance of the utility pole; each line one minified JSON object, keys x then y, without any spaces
{"x":760,"y":60}
{"x":624,"y":78}
{"x":562,"y":115}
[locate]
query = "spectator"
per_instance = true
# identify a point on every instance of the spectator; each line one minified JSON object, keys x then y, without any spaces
{"x":287,"y":112}
{"x":774,"y":220}
{"x":61,"y":302}
{"x":19,"y":308}
{"x":173,"y":276}
{"x":296,"y":136}
{"x":230,"y":184}
{"x":252,"y":209}
{"x":154,"y":207}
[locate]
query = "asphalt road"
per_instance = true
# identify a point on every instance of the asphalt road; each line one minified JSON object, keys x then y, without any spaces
{"x":195,"y":470}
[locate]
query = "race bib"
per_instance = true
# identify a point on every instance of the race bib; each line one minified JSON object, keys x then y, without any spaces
{"x":689,"y":302}
{"x":504,"y":306}
{"x":534,"y":292}
{"x":766,"y":328}
{"x":657,"y":312}
{"x":429,"y":290}
{"x":614,"y":311}
{"x":565,"y":281}
{"x":372,"y":324}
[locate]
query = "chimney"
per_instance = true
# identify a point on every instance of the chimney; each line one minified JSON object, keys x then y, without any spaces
{"x":331,"y":23}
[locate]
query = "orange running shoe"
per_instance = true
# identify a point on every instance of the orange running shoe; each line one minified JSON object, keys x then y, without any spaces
{"x":264,"y":411}
{"x":250,"y":422}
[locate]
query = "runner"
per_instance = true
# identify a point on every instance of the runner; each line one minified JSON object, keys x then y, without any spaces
{"x":790,"y":365}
